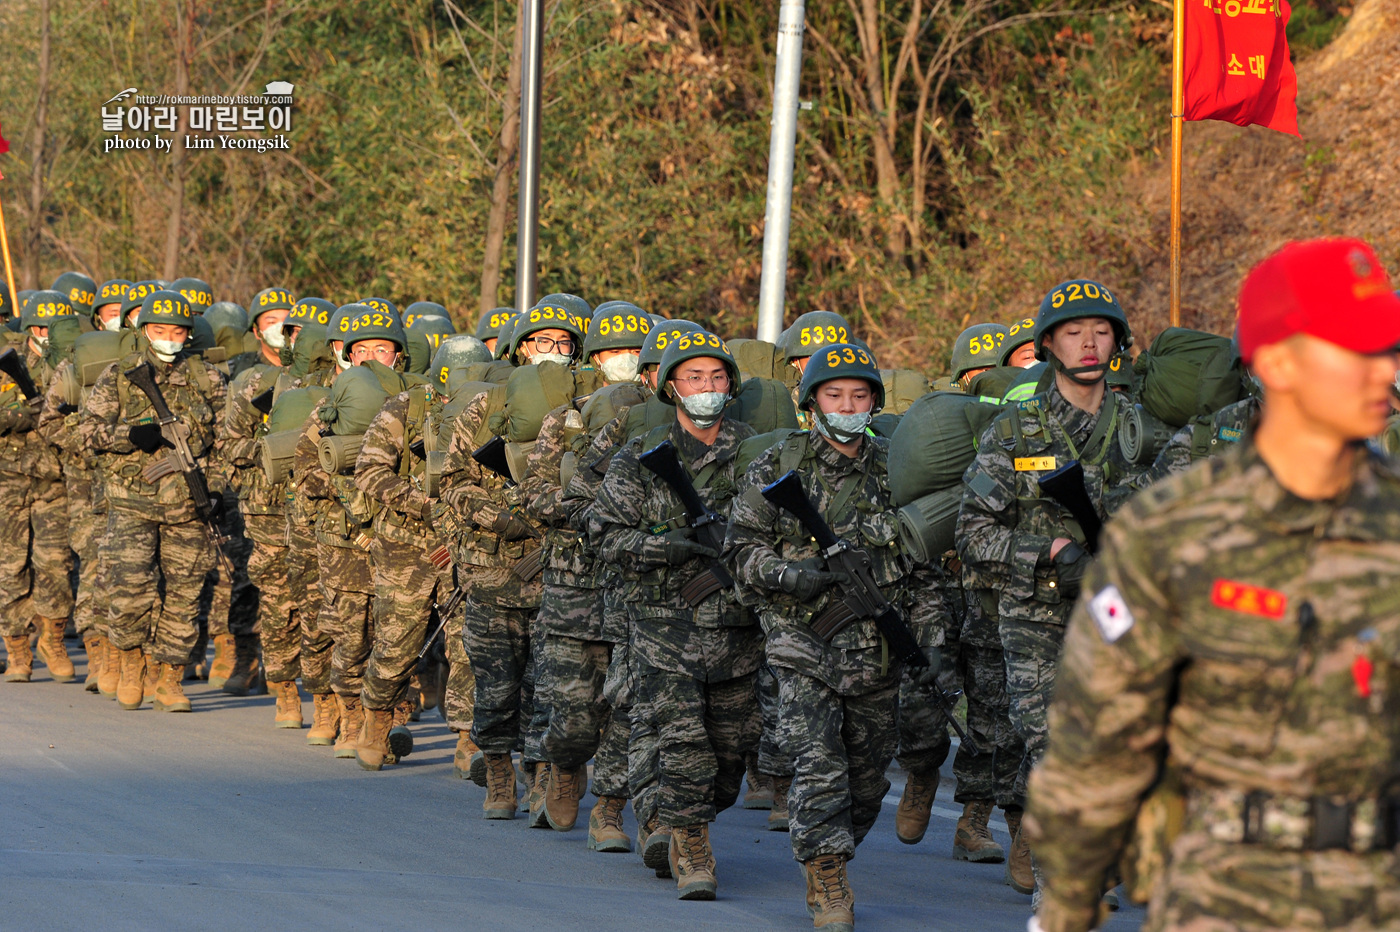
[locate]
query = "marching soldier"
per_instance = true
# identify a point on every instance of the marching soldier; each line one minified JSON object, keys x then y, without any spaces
{"x":1232,"y":671}
{"x":152,"y":525}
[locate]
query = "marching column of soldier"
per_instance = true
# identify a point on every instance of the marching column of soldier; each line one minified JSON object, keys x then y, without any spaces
{"x":730,"y":572}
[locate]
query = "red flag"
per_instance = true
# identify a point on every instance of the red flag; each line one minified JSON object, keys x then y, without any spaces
{"x":4,"y":145}
{"x":1237,"y":67}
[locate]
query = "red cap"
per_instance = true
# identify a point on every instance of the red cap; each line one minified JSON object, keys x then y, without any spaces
{"x":1333,"y":289}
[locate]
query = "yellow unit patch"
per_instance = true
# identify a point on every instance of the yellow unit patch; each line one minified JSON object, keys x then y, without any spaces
{"x":1034,"y":463}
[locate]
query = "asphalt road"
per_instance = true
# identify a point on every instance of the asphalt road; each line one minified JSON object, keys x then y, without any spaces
{"x":117,"y":820}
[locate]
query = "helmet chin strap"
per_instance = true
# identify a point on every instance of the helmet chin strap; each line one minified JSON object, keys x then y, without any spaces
{"x":1074,"y":373}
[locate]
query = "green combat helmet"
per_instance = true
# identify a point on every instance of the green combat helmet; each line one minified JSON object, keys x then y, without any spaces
{"x":696,"y":345}
{"x":197,"y":291}
{"x":424,"y":312}
{"x":449,"y":364}
{"x":44,"y":309}
{"x":812,"y":331}
{"x":1018,"y":334}
{"x":369,"y":324}
{"x":424,"y":338}
{"x":576,"y":305}
{"x":269,"y":299}
{"x":661,"y":337}
{"x":489,"y":323}
{"x":80,"y":290}
{"x":227,"y":314}
{"x":382,"y":304}
{"x":165,"y":307}
{"x":616,"y":325}
{"x":504,"y":335}
{"x":338,"y":327}
{"x":111,"y":292}
{"x":841,"y":361}
{"x":1076,"y":300}
{"x":977,"y":347}
{"x":546,"y":317}
{"x":310,"y":311}
{"x":136,"y":294}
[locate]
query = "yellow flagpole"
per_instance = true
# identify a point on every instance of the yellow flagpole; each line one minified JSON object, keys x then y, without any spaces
{"x":9,"y":267}
{"x":1178,"y":119}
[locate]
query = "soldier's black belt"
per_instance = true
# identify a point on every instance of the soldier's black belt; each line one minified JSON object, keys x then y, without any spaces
{"x":1306,"y":823}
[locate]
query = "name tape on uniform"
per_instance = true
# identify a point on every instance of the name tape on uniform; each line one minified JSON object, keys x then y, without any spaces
{"x":1034,"y":463}
{"x":1250,"y":600}
{"x":1110,"y":613}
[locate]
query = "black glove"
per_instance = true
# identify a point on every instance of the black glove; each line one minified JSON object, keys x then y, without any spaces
{"x":511,"y":527}
{"x":216,"y":504}
{"x":682,"y":547}
{"x":806,"y":579}
{"x":66,"y":409}
{"x":1070,"y":564}
{"x":146,"y":437}
{"x":927,"y":676}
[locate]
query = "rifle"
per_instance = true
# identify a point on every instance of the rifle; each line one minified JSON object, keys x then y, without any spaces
{"x":444,"y":613}
{"x":708,"y":524}
{"x":492,"y":455}
{"x":945,"y":705}
{"x":1065,"y":486}
{"x":11,"y":365}
{"x":180,"y":459}
{"x":262,"y":402}
{"x":860,"y":598}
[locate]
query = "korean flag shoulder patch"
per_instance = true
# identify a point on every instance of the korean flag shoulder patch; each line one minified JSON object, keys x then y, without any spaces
{"x":1110,"y":613}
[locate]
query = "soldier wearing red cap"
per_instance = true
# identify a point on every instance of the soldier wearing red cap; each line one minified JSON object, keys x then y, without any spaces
{"x":1226,"y":705}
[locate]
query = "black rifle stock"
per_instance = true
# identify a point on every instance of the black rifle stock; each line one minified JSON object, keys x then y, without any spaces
{"x":180,"y":459}
{"x":14,"y":367}
{"x":1066,"y":487}
{"x":945,"y":703}
{"x":708,"y":524}
{"x":444,"y":611}
{"x":860,"y":596}
{"x":492,"y":455}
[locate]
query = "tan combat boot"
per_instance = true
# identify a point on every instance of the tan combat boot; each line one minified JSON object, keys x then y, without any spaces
{"x":400,"y":738}
{"x":152,"y":679}
{"x":21,"y":666}
{"x":288,"y":705}
{"x":562,"y":790}
{"x":692,"y":862}
{"x":759,"y":792}
{"x":373,"y":745}
{"x":915,"y":807}
{"x":539,"y":778}
{"x":222,"y":668}
{"x":972,"y":841}
{"x":467,"y":759}
{"x":500,"y":787}
{"x":778,"y":814}
{"x":52,"y":651}
{"x":830,"y":901}
{"x":170,"y":695}
{"x":131,"y":681}
{"x":430,"y":688}
{"x":656,"y":847}
{"x":95,"y":646}
{"x":1019,"y":874}
{"x":605,"y":832}
{"x":325,"y":720}
{"x":111,"y":671}
{"x":247,"y":677}
{"x":352,"y":719}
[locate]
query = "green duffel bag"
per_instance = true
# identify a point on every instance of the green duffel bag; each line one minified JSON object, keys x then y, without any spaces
{"x":935,"y":442}
{"x":1188,"y":373}
{"x":903,"y":387}
{"x":355,"y":398}
{"x":756,"y":358}
{"x":763,"y":404}
{"x":927,"y":525}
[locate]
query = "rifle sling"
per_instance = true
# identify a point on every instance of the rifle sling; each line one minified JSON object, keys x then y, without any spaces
{"x":705,"y":585}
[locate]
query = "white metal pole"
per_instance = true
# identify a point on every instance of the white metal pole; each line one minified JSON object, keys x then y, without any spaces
{"x":528,"y":230}
{"x":777,"y":216}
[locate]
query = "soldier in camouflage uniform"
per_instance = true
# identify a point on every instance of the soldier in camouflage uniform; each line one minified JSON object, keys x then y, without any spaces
{"x":151,"y":526}
{"x":502,"y":602}
{"x":695,"y":658}
{"x":1008,"y":530}
{"x":578,"y":647}
{"x":35,"y":559}
{"x":1199,"y":439}
{"x":412,"y":564}
{"x":1230,"y":680}
{"x":264,"y":519}
{"x":839,"y":698}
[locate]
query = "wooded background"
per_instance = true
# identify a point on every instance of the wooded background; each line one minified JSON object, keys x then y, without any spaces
{"x":960,"y":156}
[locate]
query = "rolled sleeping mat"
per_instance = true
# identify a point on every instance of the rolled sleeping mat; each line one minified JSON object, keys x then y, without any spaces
{"x":338,"y":452}
{"x":927,"y":525}
{"x":277,"y":452}
{"x":1143,"y":436}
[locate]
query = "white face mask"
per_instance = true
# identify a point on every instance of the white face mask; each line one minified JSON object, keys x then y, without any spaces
{"x":704,"y":408}
{"x":273,"y":336}
{"x":167,"y":350}
{"x":112,"y":324}
{"x":843,"y":428}
{"x":620,"y":368}
{"x":340,"y":359}
{"x":560,"y":358}
{"x":42,"y":343}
